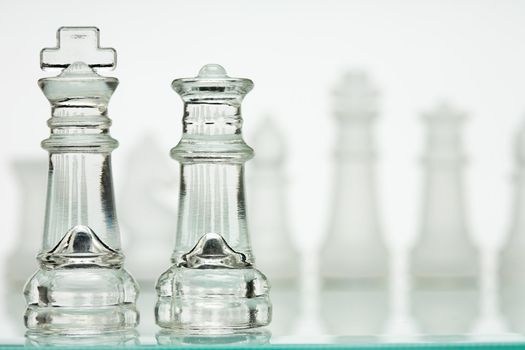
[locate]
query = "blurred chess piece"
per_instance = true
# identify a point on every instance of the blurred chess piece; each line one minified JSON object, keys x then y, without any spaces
{"x":354,"y":250}
{"x":444,"y":262}
{"x":444,"y":252}
{"x":269,"y":230}
{"x":354,"y":259}
{"x":147,"y":203}
{"x":31,"y":176}
{"x":512,"y":258}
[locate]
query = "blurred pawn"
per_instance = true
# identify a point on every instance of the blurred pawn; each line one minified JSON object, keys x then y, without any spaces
{"x":269,"y":230}
{"x":354,"y":258}
{"x":444,"y":253}
{"x":444,"y":262}
{"x":512,"y":258}
{"x":148,"y":214}
{"x":354,"y":250}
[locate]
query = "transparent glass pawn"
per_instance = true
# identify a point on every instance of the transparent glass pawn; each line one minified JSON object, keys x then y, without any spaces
{"x":212,"y":285}
{"x":81,"y":286}
{"x":354,"y":250}
{"x":444,"y":265}
{"x":511,"y":257}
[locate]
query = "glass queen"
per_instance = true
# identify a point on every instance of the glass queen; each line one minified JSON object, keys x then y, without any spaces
{"x":81,"y":286}
{"x":212,"y":284}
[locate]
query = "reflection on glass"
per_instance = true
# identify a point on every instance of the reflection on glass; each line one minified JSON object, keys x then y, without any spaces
{"x":238,"y":338}
{"x":119,"y":338}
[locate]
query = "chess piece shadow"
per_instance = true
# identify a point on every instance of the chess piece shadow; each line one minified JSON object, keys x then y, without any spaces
{"x":511,"y":258}
{"x":269,"y":231}
{"x":111,"y":339}
{"x":240,"y":338}
{"x":444,"y":264}
{"x":31,"y":175}
{"x":354,"y":249}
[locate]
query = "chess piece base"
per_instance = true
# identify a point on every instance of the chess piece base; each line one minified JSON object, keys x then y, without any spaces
{"x":81,"y":301}
{"x":212,"y":300}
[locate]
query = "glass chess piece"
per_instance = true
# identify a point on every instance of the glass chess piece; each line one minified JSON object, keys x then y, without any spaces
{"x":444,"y":264}
{"x":354,"y":250}
{"x":81,"y":286}
{"x":511,"y":258}
{"x":212,"y":285}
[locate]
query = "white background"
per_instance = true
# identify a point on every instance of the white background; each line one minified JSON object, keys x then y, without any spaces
{"x":418,"y":52}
